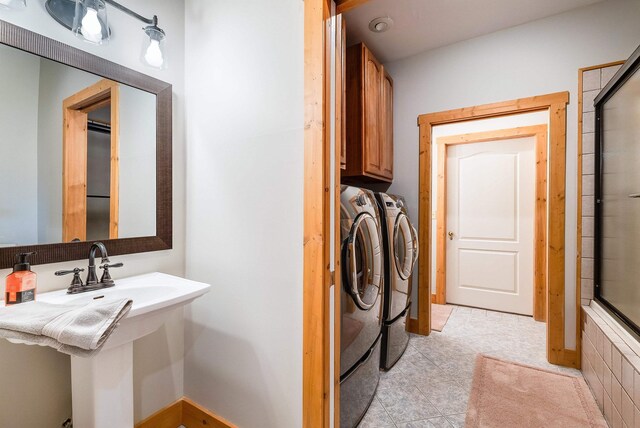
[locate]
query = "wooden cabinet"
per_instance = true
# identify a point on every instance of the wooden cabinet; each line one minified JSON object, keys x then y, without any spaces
{"x":369,"y":118}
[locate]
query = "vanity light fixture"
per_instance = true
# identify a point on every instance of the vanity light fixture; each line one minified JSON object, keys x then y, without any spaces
{"x":12,"y":4}
{"x":88,"y":20}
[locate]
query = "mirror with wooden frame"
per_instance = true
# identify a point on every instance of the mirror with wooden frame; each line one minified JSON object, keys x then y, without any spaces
{"x":85,"y":146}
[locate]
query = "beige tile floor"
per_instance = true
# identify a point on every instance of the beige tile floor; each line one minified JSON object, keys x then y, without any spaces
{"x":430,"y":385}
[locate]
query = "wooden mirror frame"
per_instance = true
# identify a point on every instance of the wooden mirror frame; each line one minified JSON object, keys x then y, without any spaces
{"x":44,"y":47}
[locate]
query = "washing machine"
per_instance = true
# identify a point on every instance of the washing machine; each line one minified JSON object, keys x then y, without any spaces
{"x":361,"y":305}
{"x":400,"y":242}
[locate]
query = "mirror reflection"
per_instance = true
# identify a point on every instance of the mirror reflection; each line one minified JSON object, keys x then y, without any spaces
{"x":78,"y":154}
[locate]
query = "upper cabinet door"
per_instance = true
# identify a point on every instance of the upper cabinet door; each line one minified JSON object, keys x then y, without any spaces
{"x":386,"y":116}
{"x":369,"y":119}
{"x":372,"y":123}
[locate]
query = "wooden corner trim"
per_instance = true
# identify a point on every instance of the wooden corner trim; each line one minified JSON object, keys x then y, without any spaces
{"x":185,"y":412}
{"x":412,"y":325}
{"x":345,"y":5}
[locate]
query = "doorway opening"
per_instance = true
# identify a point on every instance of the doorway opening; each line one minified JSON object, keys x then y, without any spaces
{"x":492,"y":210}
{"x":90,"y":161}
{"x":555,"y":105}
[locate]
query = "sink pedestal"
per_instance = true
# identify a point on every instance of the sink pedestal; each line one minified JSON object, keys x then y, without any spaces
{"x":102,"y":388}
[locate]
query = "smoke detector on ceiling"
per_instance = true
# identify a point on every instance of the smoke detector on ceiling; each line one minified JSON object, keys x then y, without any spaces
{"x":380,"y":25}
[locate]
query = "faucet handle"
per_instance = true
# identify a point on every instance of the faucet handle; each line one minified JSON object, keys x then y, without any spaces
{"x":67,"y":272}
{"x":76,"y":282}
{"x":106,"y":267}
{"x":106,"y":277}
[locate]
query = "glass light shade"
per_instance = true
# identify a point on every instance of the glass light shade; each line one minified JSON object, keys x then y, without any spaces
{"x":90,"y":21}
{"x":153,"y":50}
{"x":13,"y":4}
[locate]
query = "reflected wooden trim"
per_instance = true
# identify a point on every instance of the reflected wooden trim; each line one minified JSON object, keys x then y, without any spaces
{"x":75,"y":140}
{"x":556,"y":105}
{"x":539,"y":132}
{"x":114,"y":187}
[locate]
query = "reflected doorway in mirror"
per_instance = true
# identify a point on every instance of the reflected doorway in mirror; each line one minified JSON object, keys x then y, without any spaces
{"x":76,"y":175}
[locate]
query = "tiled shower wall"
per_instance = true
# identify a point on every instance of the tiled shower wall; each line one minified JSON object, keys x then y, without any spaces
{"x":609,"y":365}
{"x":612,"y":370}
{"x":592,"y":82}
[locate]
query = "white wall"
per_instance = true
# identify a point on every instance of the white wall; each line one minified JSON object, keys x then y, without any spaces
{"x":158,"y":358}
{"x":19,"y":74}
{"x":532,"y":59}
{"x":244,"y":75}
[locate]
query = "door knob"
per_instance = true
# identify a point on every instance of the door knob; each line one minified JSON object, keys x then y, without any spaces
{"x":451,"y":236}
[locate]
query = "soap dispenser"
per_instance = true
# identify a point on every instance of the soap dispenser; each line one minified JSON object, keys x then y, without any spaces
{"x":21,"y":283}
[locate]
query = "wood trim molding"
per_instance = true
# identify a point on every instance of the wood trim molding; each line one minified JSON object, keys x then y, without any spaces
{"x":424,"y":232}
{"x":184,"y":412}
{"x":539,"y":132}
{"x":412,"y":325}
{"x":579,"y":207}
{"x":556,"y":105}
{"x":345,"y":5}
{"x":316,"y":275}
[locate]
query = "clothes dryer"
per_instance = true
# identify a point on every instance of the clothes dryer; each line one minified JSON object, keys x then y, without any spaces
{"x":361,"y":302}
{"x":400,"y":242}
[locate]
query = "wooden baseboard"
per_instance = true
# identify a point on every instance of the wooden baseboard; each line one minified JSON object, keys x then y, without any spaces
{"x":184,"y":412}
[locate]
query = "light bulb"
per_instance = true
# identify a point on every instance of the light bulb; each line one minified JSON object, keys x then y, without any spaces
{"x":91,"y":27}
{"x":153,"y":55}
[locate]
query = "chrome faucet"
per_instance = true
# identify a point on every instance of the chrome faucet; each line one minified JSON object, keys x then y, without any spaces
{"x":92,"y":278}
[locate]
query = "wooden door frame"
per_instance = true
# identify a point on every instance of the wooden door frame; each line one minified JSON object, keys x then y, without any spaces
{"x":317,"y":377}
{"x":76,"y":109}
{"x":555,"y":104}
{"x":539,"y":132}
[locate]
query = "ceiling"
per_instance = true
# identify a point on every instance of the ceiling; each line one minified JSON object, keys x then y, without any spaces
{"x":421,"y":25}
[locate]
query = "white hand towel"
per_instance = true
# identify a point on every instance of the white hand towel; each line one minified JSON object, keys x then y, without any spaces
{"x":79,"y":330}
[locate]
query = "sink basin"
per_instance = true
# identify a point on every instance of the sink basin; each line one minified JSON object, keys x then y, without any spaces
{"x":102,"y":386}
{"x":153,"y":295}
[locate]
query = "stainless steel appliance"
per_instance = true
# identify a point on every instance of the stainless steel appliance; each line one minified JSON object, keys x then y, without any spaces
{"x":400,"y":242}
{"x":360,"y":304}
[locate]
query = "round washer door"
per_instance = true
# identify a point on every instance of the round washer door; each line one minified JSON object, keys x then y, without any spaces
{"x":405,"y":245}
{"x":363,"y":262}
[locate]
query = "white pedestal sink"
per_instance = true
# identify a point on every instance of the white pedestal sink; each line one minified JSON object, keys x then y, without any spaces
{"x":102,"y":386}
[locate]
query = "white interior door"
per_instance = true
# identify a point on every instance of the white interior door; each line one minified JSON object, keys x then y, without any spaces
{"x":490,"y":224}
